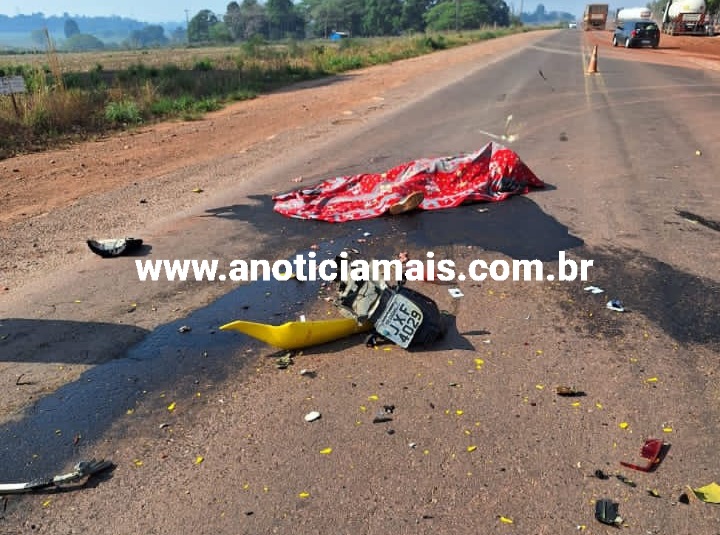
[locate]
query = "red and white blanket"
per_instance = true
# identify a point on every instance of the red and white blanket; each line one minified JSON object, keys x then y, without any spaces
{"x":491,"y":174}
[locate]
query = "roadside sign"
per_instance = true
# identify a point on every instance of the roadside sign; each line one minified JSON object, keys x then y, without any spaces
{"x":9,"y":85}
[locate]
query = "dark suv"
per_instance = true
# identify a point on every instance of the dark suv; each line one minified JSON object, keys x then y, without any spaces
{"x":636,"y":32}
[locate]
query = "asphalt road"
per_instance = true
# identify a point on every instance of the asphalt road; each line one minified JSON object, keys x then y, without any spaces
{"x":618,"y":149}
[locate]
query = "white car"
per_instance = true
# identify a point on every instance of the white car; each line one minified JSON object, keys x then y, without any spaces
{"x":572,"y":25}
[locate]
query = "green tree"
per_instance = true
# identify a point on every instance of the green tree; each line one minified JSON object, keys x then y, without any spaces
{"x":471,"y":14}
{"x":382,"y":17}
{"x":178,"y":35}
{"x":712,"y":7}
{"x":199,"y":27}
{"x":412,"y":15}
{"x":499,"y":12}
{"x":82,"y":42}
{"x":281,"y":18}
{"x":149,"y":36}
{"x":38,"y":38}
{"x":325,"y":16}
{"x":233,"y":20}
{"x":219,"y":33}
{"x":71,"y":28}
{"x":254,"y":19}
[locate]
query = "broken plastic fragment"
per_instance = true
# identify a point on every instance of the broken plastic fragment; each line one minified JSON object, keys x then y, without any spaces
{"x":471,"y":448}
{"x":651,"y":451}
{"x":709,"y":493}
{"x":623,"y":425}
{"x":199,"y":459}
{"x":304,"y":495}
{"x":606,"y":511}
{"x":113,"y":247}
{"x":172,"y":406}
{"x":616,"y":305}
{"x":506,"y":520}
{"x":593,"y":289}
{"x":312,"y":416}
{"x":197,"y":190}
{"x":373,"y":398}
{"x":628,"y":482}
{"x":382,"y":417}
{"x":456,"y":293}
{"x":568,"y":391}
{"x":326,"y":451}
{"x":601,"y":475}
{"x":284,"y":361}
{"x":667,"y":429}
{"x":137,"y":462}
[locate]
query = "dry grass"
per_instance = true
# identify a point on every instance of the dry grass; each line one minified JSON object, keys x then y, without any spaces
{"x":75,"y":94}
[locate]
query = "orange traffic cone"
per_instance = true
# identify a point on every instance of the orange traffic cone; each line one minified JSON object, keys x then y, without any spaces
{"x":592,"y":66}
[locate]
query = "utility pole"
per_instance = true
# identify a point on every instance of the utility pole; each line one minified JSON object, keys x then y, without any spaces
{"x":457,"y":15}
{"x":187,"y":25}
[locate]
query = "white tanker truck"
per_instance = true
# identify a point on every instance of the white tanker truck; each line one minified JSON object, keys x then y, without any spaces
{"x":686,"y":17}
{"x":631,"y":13}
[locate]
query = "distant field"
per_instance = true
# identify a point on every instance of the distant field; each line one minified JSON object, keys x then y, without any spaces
{"x":115,"y":60}
{"x":75,"y":95}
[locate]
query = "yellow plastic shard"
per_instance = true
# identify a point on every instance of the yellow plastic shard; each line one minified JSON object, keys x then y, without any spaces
{"x":299,"y":334}
{"x":506,"y":520}
{"x":709,"y":493}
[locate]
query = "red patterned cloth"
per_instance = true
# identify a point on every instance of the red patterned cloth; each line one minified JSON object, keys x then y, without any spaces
{"x":491,"y":174}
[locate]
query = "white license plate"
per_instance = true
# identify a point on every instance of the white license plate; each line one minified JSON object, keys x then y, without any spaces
{"x":646,"y":41}
{"x":400,"y":321}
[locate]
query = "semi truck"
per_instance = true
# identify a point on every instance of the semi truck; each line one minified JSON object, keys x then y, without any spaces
{"x":686,"y":17}
{"x":595,"y":17}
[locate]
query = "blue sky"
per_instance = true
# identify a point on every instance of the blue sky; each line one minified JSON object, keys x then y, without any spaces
{"x":172,"y":10}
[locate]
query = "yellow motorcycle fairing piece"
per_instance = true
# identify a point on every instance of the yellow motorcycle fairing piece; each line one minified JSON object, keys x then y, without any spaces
{"x":299,"y":334}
